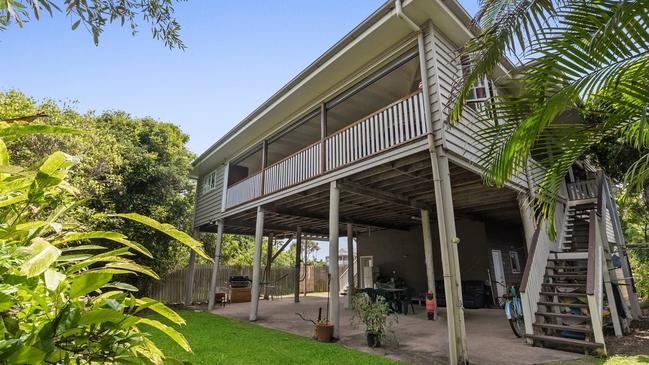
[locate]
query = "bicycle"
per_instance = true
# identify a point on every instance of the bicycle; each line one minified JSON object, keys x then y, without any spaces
{"x":514,"y":311}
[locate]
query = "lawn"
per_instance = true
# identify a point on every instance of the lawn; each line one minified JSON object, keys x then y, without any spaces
{"x":220,"y":340}
{"x":613,"y":360}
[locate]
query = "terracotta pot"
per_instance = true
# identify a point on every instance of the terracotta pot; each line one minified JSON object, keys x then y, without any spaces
{"x":373,"y":339}
{"x":324,"y":332}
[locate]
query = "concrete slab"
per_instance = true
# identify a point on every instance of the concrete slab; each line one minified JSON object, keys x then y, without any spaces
{"x":490,"y":340}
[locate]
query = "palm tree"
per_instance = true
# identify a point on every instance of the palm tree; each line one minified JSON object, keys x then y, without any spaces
{"x":582,"y":74}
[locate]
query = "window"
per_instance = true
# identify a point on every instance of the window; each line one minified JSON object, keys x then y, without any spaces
{"x":209,"y":182}
{"x":481,"y":91}
{"x":515,"y":262}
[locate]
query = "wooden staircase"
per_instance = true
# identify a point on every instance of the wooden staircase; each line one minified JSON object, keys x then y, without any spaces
{"x":563,"y":318}
{"x":569,"y":281}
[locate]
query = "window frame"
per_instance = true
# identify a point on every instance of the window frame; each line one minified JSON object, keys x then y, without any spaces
{"x":209,"y":182}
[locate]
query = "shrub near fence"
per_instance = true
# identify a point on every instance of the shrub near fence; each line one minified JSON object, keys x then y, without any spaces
{"x":172,"y":287}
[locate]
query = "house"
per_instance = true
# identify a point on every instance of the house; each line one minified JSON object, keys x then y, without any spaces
{"x":358,"y":145}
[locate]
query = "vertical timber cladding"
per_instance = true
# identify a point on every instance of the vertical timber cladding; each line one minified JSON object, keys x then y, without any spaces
{"x":208,"y":203}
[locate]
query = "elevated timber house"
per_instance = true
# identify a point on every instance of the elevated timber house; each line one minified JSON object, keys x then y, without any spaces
{"x":358,"y":145}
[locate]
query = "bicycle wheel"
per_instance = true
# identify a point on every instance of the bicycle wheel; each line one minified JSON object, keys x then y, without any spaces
{"x":517,"y":325}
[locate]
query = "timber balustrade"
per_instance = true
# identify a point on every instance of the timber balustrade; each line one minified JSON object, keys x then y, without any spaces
{"x":582,"y":190}
{"x":396,"y":124}
{"x":244,"y":190}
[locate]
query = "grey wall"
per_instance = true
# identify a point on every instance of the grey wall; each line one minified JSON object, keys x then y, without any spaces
{"x":208,"y":204}
{"x":403,"y":252}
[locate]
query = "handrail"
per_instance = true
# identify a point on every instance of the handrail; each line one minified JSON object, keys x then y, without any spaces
{"x":530,"y":259}
{"x":592,"y":247}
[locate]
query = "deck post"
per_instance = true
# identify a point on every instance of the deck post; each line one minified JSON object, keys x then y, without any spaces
{"x":439,"y":164}
{"x":189,"y":292}
{"x":215,"y":265}
{"x":256,"y":265}
{"x":453,"y":242}
{"x":350,"y":264}
{"x":298,"y":252}
{"x":334,"y":285}
{"x":527,"y":217}
{"x":269,"y":263}
{"x":428,"y":252}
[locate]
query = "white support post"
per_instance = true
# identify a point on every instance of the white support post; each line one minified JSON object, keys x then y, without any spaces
{"x":298,"y":251}
{"x":428,"y":252}
{"x":453,"y":241}
{"x":215,"y":265}
{"x":189,"y":292}
{"x":527,"y":217}
{"x":256,"y":265}
{"x":350,"y":264}
{"x":334,"y":286}
{"x":269,"y":263}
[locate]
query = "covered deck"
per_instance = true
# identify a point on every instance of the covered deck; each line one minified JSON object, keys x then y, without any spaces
{"x":490,"y":340}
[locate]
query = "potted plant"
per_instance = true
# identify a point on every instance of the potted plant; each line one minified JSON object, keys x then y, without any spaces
{"x":324,"y":331}
{"x":377,"y":318}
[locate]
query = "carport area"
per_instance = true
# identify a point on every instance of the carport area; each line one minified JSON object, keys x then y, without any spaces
{"x":490,"y":340}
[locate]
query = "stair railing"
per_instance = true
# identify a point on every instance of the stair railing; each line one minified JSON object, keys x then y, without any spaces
{"x":532,"y":281}
{"x":594,"y":278}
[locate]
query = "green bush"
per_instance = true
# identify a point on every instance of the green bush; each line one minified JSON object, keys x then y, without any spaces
{"x":62,"y":295}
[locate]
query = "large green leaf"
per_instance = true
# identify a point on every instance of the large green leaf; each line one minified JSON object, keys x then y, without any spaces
{"x":169,"y":230}
{"x":132,"y":266}
{"x":53,"y":278}
{"x":27,"y":355}
{"x":163,"y":310}
{"x":88,"y":282}
{"x":101,"y":315}
{"x":112,"y":236}
{"x":41,"y":255}
{"x":17,"y":130}
{"x":172,"y":333}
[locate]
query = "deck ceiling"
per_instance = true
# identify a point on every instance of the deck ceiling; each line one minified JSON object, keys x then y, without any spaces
{"x":388,"y":196}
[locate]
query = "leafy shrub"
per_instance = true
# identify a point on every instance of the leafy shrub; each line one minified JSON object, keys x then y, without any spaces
{"x":62,"y":295}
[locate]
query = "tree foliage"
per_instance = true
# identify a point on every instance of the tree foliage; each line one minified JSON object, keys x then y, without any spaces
{"x":125,"y":164}
{"x":95,"y":15}
{"x":62,"y":297}
{"x":582,"y":74}
{"x":238,"y":250}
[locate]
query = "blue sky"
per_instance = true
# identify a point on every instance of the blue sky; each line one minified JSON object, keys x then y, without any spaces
{"x":239,"y":53}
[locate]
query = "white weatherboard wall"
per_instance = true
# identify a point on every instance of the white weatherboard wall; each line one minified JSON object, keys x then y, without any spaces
{"x":403,"y":251}
{"x":208,"y":204}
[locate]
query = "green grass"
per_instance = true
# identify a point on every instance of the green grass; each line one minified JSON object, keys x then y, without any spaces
{"x":220,"y":340}
{"x":613,"y":360}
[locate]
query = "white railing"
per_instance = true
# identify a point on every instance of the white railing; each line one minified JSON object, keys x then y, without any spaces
{"x":582,"y":190}
{"x":533,"y":276}
{"x":398,"y":123}
{"x":595,"y":279}
{"x":244,"y":191}
{"x":292,"y":170}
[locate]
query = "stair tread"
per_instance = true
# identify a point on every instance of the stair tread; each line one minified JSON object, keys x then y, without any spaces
{"x":573,"y":305}
{"x":563,"y":315}
{"x":563,"y":294}
{"x":566,"y":275}
{"x":567,"y":285}
{"x":563,"y":327}
{"x":565,"y":341}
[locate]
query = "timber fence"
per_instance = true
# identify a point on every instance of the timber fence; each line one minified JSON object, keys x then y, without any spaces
{"x":172,"y":287}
